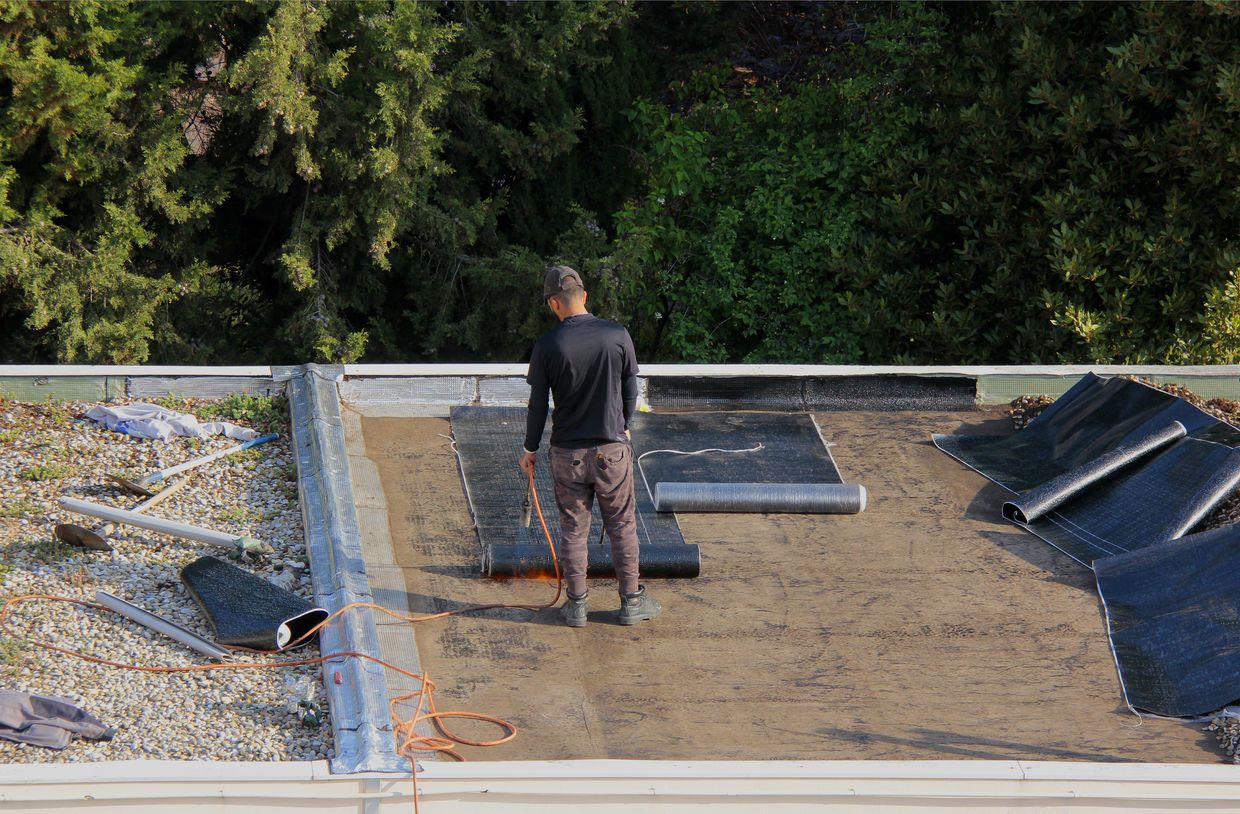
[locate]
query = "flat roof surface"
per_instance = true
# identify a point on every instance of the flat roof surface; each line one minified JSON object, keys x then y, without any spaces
{"x":924,"y":628}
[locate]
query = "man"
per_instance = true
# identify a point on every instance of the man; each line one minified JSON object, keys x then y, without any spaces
{"x":590,"y":366}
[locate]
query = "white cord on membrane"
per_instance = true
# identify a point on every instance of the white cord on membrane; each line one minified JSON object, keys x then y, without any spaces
{"x":642,"y":472}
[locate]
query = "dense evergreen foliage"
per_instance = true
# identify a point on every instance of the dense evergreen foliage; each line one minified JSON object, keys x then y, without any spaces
{"x":794,"y":182}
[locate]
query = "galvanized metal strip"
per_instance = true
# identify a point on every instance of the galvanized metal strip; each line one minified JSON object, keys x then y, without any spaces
{"x":445,"y":390}
{"x":204,"y":387}
{"x":55,"y":387}
{"x":358,"y":698}
{"x":503,"y":392}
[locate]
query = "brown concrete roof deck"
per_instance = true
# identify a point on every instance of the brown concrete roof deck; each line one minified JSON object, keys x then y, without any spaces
{"x":925,"y":628}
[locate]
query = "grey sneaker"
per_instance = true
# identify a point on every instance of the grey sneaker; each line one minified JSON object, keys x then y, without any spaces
{"x":573,"y":611}
{"x":637,"y":607}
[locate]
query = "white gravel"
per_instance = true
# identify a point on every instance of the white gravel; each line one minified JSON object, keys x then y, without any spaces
{"x":212,"y":715}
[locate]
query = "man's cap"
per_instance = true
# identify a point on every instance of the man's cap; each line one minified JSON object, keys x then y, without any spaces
{"x":560,"y":279}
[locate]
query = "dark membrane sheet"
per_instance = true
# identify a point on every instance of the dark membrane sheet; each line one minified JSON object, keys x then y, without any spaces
{"x":1108,"y":479}
{"x":1094,"y":417}
{"x":1173,"y":615}
{"x":489,"y":442}
{"x":1162,"y":499}
{"x":1029,"y":506}
{"x":1161,"y":488}
{"x":246,"y":610}
{"x":787,"y":448}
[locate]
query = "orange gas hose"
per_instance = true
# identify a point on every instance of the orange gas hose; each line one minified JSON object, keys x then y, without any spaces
{"x":409,"y":742}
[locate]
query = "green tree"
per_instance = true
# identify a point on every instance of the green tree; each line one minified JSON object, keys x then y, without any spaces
{"x":97,"y":203}
{"x":740,"y":245}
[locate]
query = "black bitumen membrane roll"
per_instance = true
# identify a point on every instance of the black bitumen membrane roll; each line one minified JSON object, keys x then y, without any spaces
{"x":246,"y":610}
{"x":801,"y":498}
{"x":1163,"y":499}
{"x":1173,"y":615}
{"x":1159,"y":495}
{"x":1031,"y":505}
{"x":1094,"y":417}
{"x":527,"y":560}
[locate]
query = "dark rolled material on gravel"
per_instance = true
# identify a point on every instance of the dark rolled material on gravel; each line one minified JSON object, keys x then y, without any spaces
{"x":681,"y":560}
{"x":790,"y":498}
{"x":246,"y":610}
{"x":1031,"y":505}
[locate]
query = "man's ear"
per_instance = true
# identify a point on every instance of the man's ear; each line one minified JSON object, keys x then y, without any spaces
{"x":584,"y":296}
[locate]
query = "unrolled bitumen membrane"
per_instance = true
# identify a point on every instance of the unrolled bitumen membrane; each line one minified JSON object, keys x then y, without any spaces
{"x":1173,"y":615}
{"x":1117,"y":475}
{"x":813,"y":393}
{"x":1162,"y":487}
{"x":744,"y":448}
{"x":488,"y":442}
{"x":727,"y":448}
{"x":1094,"y":417}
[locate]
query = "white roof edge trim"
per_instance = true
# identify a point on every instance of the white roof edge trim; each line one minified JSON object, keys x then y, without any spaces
{"x":649,"y":370}
{"x":963,"y":770}
{"x":173,"y":771}
{"x":165,"y":771}
{"x":133,"y":370}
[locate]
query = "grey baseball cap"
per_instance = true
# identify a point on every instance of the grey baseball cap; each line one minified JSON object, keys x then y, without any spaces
{"x":559,"y":279}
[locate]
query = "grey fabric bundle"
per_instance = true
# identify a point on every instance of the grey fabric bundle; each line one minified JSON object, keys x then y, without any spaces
{"x":46,"y":721}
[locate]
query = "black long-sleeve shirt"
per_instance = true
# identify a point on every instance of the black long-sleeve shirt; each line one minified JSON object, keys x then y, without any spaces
{"x":589,"y":365}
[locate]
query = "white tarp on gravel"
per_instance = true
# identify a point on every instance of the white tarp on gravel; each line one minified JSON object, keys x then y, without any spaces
{"x":153,"y":421}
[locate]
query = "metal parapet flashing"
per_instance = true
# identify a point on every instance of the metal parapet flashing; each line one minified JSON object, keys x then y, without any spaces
{"x":364,"y":738}
{"x":433,"y":389}
{"x":430,"y":389}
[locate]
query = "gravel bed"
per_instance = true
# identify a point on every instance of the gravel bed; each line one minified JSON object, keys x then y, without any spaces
{"x":47,"y":451}
{"x":1227,"y":733}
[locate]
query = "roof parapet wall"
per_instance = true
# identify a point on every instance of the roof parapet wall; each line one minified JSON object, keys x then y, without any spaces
{"x":430,"y":389}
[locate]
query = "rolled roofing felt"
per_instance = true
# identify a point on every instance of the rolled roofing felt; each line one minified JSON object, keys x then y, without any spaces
{"x":679,"y":560}
{"x":792,"y":498}
{"x":1030,"y":505}
{"x":246,"y":610}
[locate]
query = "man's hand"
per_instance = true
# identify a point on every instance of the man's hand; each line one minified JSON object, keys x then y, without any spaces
{"x":528,"y":459}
